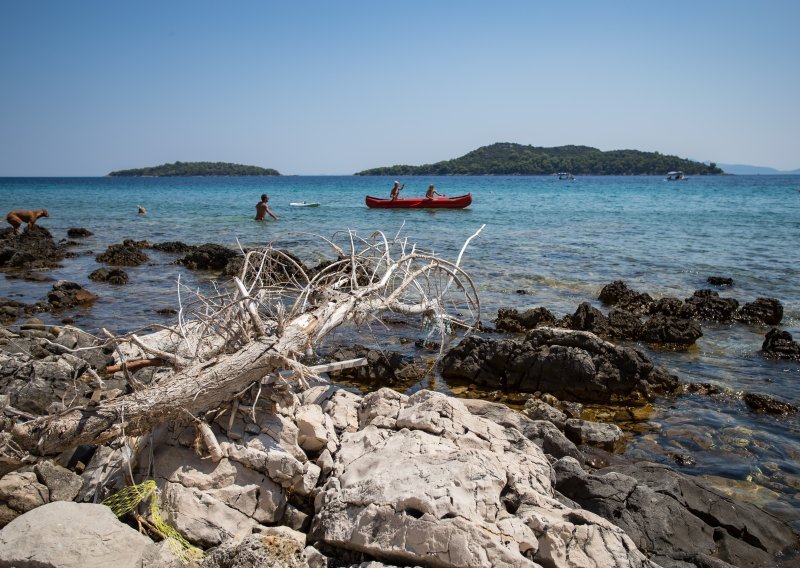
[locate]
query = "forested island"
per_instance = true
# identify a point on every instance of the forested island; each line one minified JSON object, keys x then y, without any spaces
{"x":196,"y":169}
{"x":506,"y":158}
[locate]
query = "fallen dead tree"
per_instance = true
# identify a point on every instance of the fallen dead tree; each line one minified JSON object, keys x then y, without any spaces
{"x":275,"y":313}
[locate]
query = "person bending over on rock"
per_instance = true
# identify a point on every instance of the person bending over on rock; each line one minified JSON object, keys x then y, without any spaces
{"x":262,"y":209}
{"x":431,"y":192}
{"x":395,"y":193}
{"x":20,"y":216}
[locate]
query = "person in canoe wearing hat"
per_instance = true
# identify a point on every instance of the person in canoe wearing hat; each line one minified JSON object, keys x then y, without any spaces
{"x":395,"y":193}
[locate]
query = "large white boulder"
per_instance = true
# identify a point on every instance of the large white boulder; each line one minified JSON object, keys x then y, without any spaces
{"x":64,"y":534}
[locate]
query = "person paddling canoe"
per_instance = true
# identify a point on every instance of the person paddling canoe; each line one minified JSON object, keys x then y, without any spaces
{"x":431,"y":192}
{"x":395,"y":193}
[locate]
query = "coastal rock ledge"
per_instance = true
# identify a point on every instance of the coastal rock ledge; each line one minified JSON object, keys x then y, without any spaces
{"x":425,"y":482}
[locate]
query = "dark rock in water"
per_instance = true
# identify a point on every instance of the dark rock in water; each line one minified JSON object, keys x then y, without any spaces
{"x":126,"y":254}
{"x":109,"y":275}
{"x":521,"y":292}
{"x":589,"y":318}
{"x":208,"y":257}
{"x":707,"y":305}
{"x":281,"y":267}
{"x":767,"y":311}
{"x":176,"y":247}
{"x":386,"y":368}
{"x":167,"y":312}
{"x":669,"y":306}
{"x":719,"y":281}
{"x":618,"y":294}
{"x":512,"y":320}
{"x":682,"y":459}
{"x":66,"y":295}
{"x":674,"y":518}
{"x":612,"y":293}
{"x":78,"y":232}
{"x":624,"y":324}
{"x":668,"y":329}
{"x":31,"y":249}
{"x":768,"y":405}
{"x":780,"y":345}
{"x":571,"y":365}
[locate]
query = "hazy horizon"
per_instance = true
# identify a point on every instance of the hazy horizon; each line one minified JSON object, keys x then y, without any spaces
{"x":331,"y":89}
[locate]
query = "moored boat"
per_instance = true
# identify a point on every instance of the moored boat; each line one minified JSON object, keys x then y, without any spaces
{"x":458,"y":202}
{"x":676,"y":176}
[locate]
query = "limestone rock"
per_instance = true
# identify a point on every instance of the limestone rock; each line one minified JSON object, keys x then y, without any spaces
{"x":257,"y":550}
{"x":425,"y":481}
{"x":62,"y":483}
{"x":315,"y":429}
{"x":20,"y":492}
{"x":209,"y":503}
{"x":605,"y":436}
{"x":71,"y":535}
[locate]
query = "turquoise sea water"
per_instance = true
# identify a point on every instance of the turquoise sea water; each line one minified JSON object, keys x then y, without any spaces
{"x":560,"y":241}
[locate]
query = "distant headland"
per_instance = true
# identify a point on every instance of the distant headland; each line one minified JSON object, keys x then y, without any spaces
{"x":504,"y":158}
{"x":196,"y":169}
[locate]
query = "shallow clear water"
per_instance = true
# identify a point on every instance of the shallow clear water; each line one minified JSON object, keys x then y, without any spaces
{"x":560,"y":241}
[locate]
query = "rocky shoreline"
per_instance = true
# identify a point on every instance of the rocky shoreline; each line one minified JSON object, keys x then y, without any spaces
{"x":317,"y":475}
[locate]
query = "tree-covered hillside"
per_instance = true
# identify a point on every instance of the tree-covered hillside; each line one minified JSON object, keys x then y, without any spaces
{"x":506,"y":158}
{"x":197,"y":169}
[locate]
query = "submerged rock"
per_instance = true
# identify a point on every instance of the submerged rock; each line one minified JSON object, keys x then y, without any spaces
{"x":110,"y":276}
{"x":129,"y":253}
{"x":719,"y":281}
{"x":768,"y":405}
{"x":571,"y":365}
{"x":78,"y":232}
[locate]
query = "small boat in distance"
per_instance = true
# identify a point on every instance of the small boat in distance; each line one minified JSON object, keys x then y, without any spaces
{"x":304,"y":204}
{"x":420,"y":202}
{"x":676,"y":176}
{"x":565,"y":176}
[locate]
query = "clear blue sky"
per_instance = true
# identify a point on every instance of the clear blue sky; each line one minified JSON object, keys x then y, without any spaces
{"x":333,"y":87}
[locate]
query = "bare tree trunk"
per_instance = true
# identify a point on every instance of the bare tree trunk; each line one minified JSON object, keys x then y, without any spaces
{"x":366,"y":284}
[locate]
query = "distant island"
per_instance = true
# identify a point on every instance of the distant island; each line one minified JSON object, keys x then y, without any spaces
{"x":196,"y":169}
{"x":506,"y":158}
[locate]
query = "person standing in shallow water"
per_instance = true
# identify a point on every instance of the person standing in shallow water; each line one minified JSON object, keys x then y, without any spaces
{"x":262,"y":209}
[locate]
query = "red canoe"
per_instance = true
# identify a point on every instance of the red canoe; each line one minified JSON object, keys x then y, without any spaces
{"x":420,"y":202}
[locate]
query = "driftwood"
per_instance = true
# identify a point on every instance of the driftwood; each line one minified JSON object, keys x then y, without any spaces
{"x":274,"y":313}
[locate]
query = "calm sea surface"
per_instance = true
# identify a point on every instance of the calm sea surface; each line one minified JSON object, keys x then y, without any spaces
{"x":560,"y":241}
